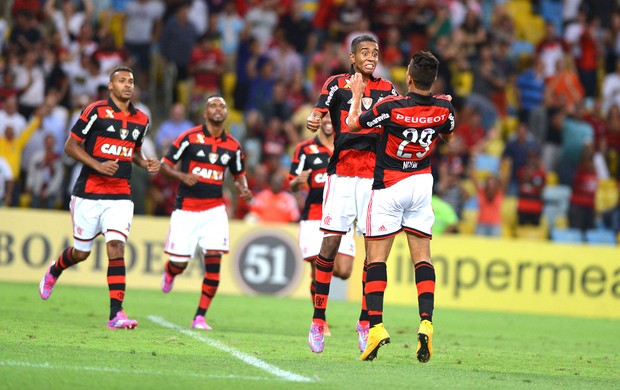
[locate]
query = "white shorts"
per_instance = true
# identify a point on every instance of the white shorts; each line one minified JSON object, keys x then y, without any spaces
{"x":345,"y":200}
{"x":208,"y":229}
{"x":91,"y":217}
{"x":405,"y":205}
{"x":311,"y":237}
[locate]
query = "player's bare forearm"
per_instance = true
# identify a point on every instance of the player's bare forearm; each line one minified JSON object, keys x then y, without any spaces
{"x":242,"y":186}
{"x":357,"y":88}
{"x":313,"y":122}
{"x":446,"y":137}
{"x":152,"y":165}
{"x":75,"y":149}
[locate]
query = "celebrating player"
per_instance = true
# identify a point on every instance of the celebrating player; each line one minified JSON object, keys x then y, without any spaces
{"x":349,"y":178}
{"x":402,"y":190}
{"x":107,"y":138}
{"x":203,"y":154}
{"x":309,"y":166}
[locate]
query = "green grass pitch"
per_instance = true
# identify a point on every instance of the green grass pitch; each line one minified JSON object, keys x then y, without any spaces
{"x":260,"y":342}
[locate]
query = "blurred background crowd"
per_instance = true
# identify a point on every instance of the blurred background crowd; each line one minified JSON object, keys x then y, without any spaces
{"x":536,"y":86}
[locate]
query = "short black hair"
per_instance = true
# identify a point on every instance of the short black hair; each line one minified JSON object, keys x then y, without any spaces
{"x":423,"y":69}
{"x":359,"y":39}
{"x":215,"y":95}
{"x":120,"y":69}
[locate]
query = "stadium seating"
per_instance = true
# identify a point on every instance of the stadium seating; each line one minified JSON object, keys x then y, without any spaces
{"x":566,"y":236}
{"x":601,"y":236}
{"x":556,"y":201}
{"x":531,"y":232}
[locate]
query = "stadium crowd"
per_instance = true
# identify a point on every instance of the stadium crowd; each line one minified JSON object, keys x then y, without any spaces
{"x":536,"y":86}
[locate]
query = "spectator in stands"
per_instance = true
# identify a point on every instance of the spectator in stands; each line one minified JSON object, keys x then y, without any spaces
{"x":142,"y":26}
{"x":550,"y":49}
{"x":576,"y":135}
{"x":230,"y":25}
{"x":565,"y":83}
{"x":530,"y":87}
{"x":9,"y":116}
{"x":172,"y":127}
{"x":262,"y":19}
{"x":516,"y":153}
{"x":26,"y":33}
{"x":68,"y":19}
{"x":581,"y":211}
{"x":446,"y":220}
{"x":30,"y":83}
{"x":490,"y":193}
{"x":531,"y":182}
{"x":177,"y":41}
{"x":273,"y":204}
{"x":11,"y":148}
{"x":6,"y":182}
{"x":610,"y":89}
{"x":206,"y":65}
{"x":45,"y":174}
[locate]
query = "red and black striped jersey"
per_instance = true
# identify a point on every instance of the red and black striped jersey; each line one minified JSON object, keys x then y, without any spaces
{"x":531,"y":184}
{"x":354,"y":153}
{"x":408,"y":126}
{"x":312,"y":154}
{"x":206,"y":156}
{"x":108,"y":134}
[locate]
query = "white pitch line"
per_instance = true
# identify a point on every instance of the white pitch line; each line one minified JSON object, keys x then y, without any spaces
{"x":46,"y":365}
{"x":251,"y":360}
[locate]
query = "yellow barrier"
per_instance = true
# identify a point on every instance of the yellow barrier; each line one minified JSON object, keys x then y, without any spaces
{"x":263,"y":259}
{"x":472,"y":273}
{"x":511,"y":275}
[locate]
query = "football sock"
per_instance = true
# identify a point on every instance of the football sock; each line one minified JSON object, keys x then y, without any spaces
{"x":324,"y":272}
{"x":116,"y":284}
{"x":312,"y":290}
{"x":173,"y":270}
{"x":376,"y":282}
{"x":425,"y":283}
{"x":364,"y":311}
{"x":210,"y":282}
{"x":65,"y":260}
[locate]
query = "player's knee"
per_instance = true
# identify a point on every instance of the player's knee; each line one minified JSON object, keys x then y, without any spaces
{"x":329,"y":247}
{"x":343,"y":274}
{"x":115,"y":249}
{"x":79,"y":255}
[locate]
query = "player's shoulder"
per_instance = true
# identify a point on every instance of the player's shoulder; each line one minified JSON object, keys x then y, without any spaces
{"x":305,"y":143}
{"x":384,"y":84}
{"x":141,"y":115}
{"x":190,"y":131}
{"x":339,"y":79}
{"x":444,"y":101}
{"x":94,"y":106}
{"x":234,"y":141}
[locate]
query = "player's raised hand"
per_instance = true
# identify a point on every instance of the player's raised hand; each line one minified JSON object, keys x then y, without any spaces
{"x":108,"y":167}
{"x":244,"y":192}
{"x":189,"y":179}
{"x":152,"y":165}
{"x":357,"y":84}
{"x":313,"y":122}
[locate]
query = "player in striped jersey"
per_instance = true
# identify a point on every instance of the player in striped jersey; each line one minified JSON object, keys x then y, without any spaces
{"x":198,"y":158}
{"x":402,"y":190}
{"x":107,"y":138}
{"x":349,"y":172}
{"x":309,"y":168}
